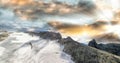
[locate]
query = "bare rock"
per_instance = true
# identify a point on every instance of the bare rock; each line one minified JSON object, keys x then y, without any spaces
{"x":113,"y":48}
{"x":48,"y":35}
{"x":93,"y":43}
{"x":84,"y":54}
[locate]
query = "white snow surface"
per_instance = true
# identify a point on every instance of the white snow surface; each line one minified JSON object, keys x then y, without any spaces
{"x":21,"y":47}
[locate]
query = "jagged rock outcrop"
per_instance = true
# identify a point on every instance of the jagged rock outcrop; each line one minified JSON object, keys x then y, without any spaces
{"x":48,"y":35}
{"x":84,"y":54}
{"x":93,"y":43}
{"x":79,"y":52}
{"x":113,"y":48}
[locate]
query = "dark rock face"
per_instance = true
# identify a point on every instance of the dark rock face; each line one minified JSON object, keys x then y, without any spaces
{"x":81,"y":53}
{"x":111,"y":47}
{"x":84,"y":54}
{"x":93,"y":43}
{"x":48,"y":35}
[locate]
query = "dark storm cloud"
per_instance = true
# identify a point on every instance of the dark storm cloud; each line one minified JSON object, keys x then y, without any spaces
{"x":86,"y":5}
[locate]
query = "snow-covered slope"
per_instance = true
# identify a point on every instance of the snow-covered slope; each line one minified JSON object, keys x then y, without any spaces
{"x":23,"y":48}
{"x":20,"y":47}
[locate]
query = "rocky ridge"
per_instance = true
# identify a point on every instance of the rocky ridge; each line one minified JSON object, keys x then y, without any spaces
{"x":82,"y":53}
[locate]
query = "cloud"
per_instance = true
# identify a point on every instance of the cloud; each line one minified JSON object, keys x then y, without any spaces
{"x":86,"y":5}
